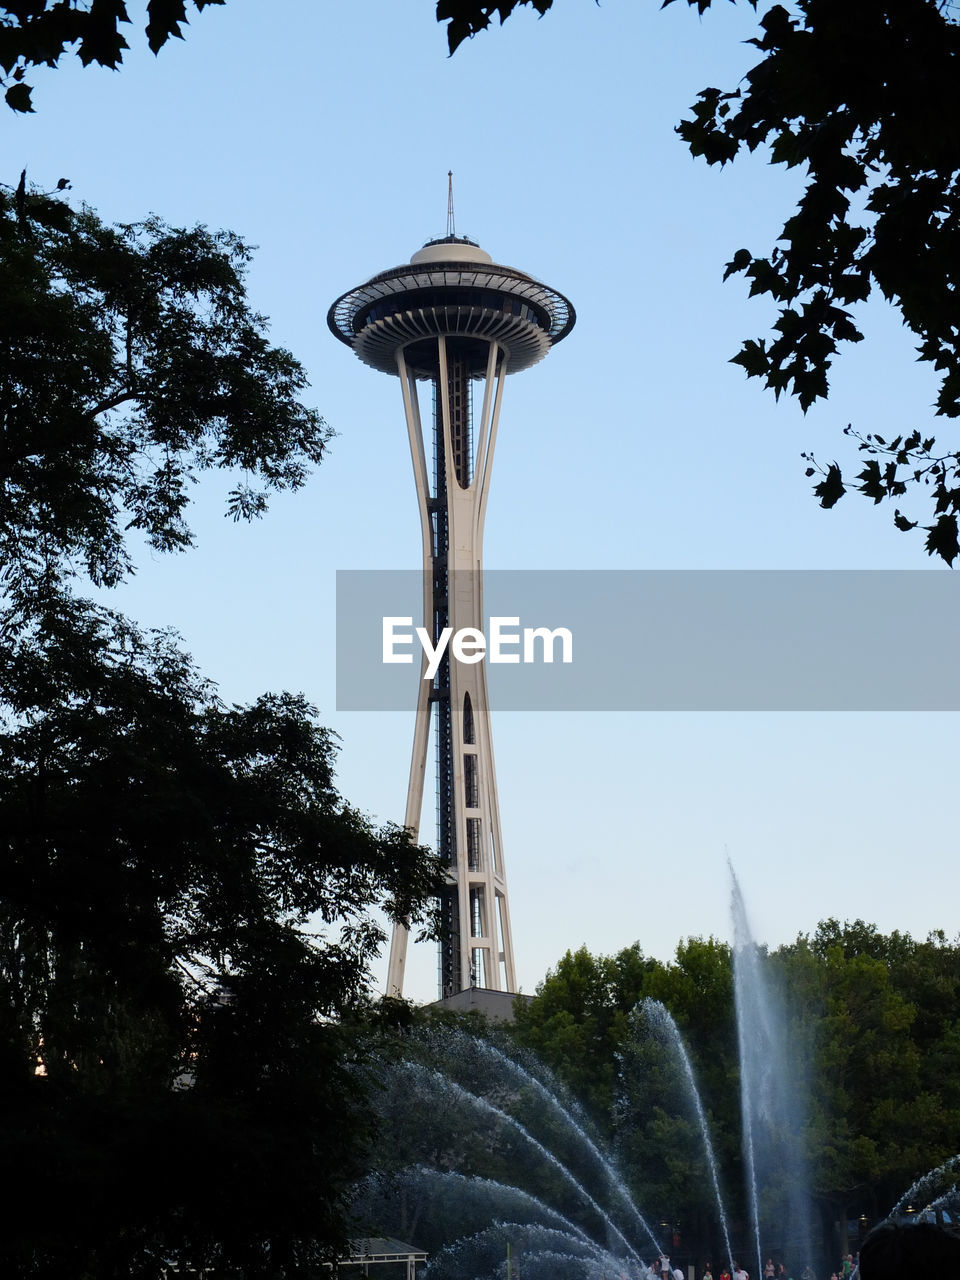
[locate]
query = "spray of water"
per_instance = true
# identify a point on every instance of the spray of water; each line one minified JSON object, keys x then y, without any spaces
{"x":947,"y":1200}
{"x":482,"y":1198}
{"x":559,"y":1266}
{"x":462,"y":1256}
{"x":508,"y":1067}
{"x":660,"y":1017}
{"x":439,"y":1086}
{"x":927,"y":1185}
{"x":771,"y":1113}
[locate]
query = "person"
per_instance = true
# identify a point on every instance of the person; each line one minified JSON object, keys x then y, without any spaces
{"x":725,"y":1273}
{"x":739,"y":1273}
{"x":768,"y":1271}
{"x":708,"y":1272}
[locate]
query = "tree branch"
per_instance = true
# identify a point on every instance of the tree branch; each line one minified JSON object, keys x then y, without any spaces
{"x":113,"y":401}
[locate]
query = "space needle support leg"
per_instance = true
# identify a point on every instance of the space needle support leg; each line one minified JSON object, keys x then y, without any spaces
{"x":495,"y":874}
{"x":421,"y":733}
{"x":483,"y":434}
{"x":484,"y":478}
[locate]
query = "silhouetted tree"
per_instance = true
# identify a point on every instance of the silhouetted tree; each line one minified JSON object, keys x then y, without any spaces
{"x":132,"y":360}
{"x":186,"y":920}
{"x":188,"y":908}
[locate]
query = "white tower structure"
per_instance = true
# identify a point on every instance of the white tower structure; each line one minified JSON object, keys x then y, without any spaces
{"x":456,"y":320}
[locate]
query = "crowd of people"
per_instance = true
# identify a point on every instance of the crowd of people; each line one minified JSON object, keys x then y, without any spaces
{"x":736,"y":1272}
{"x":733,"y":1272}
{"x":889,"y":1253}
{"x":848,"y":1266}
{"x":662,"y":1269}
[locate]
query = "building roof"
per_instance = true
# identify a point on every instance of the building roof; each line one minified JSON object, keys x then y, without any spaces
{"x":382,"y":1249}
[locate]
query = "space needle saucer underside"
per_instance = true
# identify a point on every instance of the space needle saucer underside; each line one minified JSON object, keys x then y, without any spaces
{"x":408,"y":308}
{"x":415,"y":333}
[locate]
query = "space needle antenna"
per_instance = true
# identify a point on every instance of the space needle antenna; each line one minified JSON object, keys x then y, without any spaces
{"x":451,"y":225}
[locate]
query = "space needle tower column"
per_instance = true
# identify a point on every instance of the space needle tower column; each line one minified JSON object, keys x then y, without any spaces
{"x":456,"y":320}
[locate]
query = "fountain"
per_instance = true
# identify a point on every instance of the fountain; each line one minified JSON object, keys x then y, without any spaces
{"x":486,"y":1160}
{"x":929,"y":1185}
{"x":438,"y":1089}
{"x":771,"y":1100}
{"x":659,"y":1018}
{"x":515,"y":1164}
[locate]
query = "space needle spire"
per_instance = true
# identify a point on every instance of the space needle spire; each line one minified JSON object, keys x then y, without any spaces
{"x":456,"y":320}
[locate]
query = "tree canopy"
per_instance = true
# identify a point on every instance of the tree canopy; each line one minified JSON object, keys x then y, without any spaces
{"x":188,"y":908}
{"x":132,"y":362}
{"x":877,"y":1014}
{"x":859,"y":94}
{"x":186,"y":920}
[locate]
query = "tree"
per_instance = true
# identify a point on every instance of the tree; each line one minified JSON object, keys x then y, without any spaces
{"x":860,"y":94}
{"x":132,"y":361}
{"x":579,"y":1018}
{"x":659,"y":1141}
{"x":185,"y":923}
{"x":38,"y":32}
{"x":886,"y":1018}
{"x":874,"y":1018}
{"x":187,"y":906}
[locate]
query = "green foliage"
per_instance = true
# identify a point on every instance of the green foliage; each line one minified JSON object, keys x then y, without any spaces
{"x":584,"y":1023}
{"x":186,"y":907}
{"x":580,"y":1017}
{"x":886,"y":1009}
{"x":132,"y":362}
{"x":876,"y":1018}
{"x":658,"y":1137}
{"x":38,"y":32}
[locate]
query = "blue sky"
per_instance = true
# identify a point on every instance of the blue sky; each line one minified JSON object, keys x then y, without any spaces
{"x":322,"y":132}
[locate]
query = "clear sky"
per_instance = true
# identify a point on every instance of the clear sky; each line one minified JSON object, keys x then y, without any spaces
{"x":323,"y":132}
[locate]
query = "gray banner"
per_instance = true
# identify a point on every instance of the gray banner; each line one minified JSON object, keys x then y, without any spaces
{"x":671,"y":641}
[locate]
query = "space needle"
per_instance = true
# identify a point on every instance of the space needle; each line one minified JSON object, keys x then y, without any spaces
{"x":457,"y":320}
